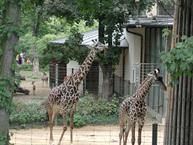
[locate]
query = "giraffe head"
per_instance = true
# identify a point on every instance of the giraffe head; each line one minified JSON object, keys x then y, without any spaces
{"x":98,"y":46}
{"x":158,"y":79}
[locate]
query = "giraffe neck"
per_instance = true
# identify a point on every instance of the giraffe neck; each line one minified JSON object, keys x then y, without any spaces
{"x":144,"y":89}
{"x":85,"y":67}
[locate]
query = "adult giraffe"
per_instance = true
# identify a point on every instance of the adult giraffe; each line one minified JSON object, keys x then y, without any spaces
{"x":63,"y":98}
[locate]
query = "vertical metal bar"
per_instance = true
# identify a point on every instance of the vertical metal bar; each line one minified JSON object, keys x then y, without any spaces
{"x":72,"y":71}
{"x":154,"y":133}
{"x":56,"y":75}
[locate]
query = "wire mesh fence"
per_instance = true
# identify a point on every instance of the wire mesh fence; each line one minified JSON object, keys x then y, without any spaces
{"x":97,"y":135}
{"x":89,"y":135}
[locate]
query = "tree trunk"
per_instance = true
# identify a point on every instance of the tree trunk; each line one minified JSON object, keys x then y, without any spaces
{"x":101,"y":30}
{"x":11,"y":20}
{"x":107,"y":85}
{"x":179,"y":125}
{"x":35,"y":64}
{"x":35,"y":33}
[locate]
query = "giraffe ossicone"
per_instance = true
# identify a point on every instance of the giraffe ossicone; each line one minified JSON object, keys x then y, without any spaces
{"x":63,"y":98}
{"x":133,"y":109}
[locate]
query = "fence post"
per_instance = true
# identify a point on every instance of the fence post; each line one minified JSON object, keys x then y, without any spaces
{"x":154,"y":133}
{"x":56,"y":75}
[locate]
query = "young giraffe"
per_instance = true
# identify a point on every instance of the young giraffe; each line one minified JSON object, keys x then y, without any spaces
{"x":63,"y":98}
{"x":133,"y":109}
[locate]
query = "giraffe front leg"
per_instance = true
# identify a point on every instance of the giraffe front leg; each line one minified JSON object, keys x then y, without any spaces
{"x":72,"y":122}
{"x":133,"y":134}
{"x":141,"y":124}
{"x":64,"y":128}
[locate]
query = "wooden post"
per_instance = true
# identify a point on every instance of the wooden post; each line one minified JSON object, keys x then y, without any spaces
{"x":154,"y":133}
{"x":56,"y":75}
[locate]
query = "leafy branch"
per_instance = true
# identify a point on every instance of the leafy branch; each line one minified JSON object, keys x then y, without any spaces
{"x":179,"y":60}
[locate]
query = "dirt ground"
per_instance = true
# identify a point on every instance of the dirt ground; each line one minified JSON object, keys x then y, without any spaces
{"x":41,"y":91}
{"x":88,"y":135}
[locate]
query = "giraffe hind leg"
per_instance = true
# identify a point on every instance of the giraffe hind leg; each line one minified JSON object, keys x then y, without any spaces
{"x":121,"y":134}
{"x":51,"y":117}
{"x":127,"y":133}
{"x":64,"y":128}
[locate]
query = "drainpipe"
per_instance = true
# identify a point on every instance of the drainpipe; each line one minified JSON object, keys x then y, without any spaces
{"x":123,"y":72}
{"x":141,"y":36}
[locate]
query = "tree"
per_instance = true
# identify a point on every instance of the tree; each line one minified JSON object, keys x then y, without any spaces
{"x":8,"y":40}
{"x":37,"y":12}
{"x":179,"y":64}
{"x":34,"y":10}
{"x":111,"y":15}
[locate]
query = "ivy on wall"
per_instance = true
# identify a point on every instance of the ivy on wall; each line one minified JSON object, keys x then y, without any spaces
{"x":6,"y":93}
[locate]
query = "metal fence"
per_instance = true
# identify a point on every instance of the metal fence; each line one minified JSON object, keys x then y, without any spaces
{"x":104,"y":135}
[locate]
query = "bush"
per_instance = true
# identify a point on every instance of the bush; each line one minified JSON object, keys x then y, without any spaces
{"x":98,"y":111}
{"x":25,"y":67}
{"x":79,"y":121}
{"x":29,"y":113}
{"x":88,"y":111}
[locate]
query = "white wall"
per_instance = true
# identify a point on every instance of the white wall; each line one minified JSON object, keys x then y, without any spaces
{"x":132,"y":55}
{"x":73,"y":65}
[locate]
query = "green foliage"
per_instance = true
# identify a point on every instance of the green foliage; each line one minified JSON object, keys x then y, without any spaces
{"x":25,"y":67}
{"x":26,"y":42}
{"x":73,"y":43}
{"x":166,"y":32}
{"x":79,"y":121}
{"x":179,"y":60}
{"x":98,"y":111}
{"x":3,"y":139}
{"x":89,"y":111}
{"x":23,"y":114}
{"x":62,"y":8}
{"x":111,"y":14}
{"x":71,"y":50}
{"x":6,"y":93}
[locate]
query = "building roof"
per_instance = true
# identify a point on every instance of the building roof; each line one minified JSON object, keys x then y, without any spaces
{"x":87,"y":38}
{"x":155,"y":21}
{"x":142,"y":21}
